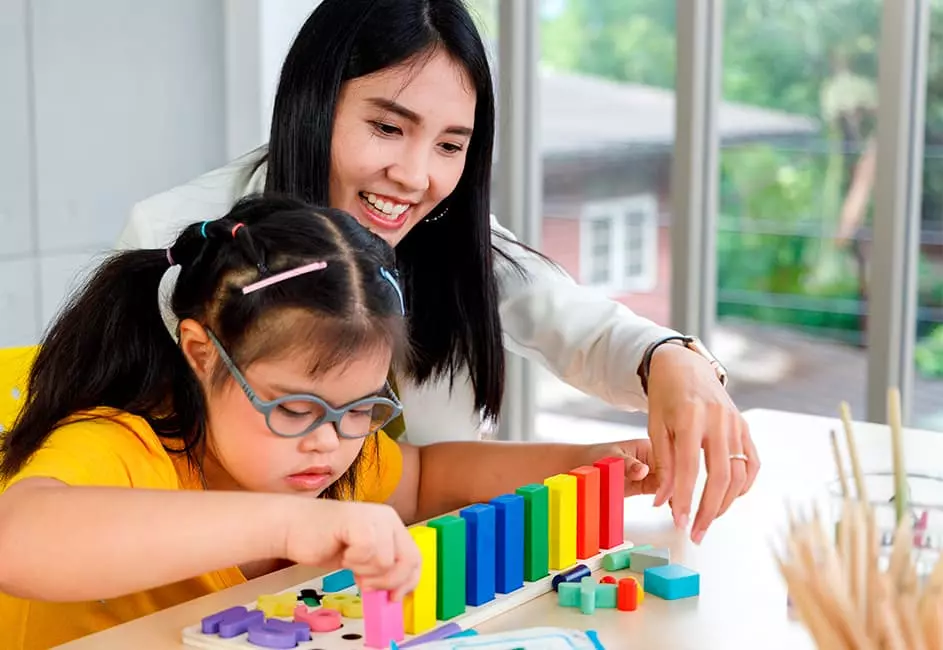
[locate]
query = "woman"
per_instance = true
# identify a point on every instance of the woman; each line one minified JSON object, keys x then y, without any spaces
{"x":385,"y":109}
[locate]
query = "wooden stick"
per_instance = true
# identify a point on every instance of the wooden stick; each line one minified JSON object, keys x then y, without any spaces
{"x":842,"y":477}
{"x":901,"y":498}
{"x":853,"y":452}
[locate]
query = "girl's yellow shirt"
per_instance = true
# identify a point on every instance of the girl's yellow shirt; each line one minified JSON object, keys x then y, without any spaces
{"x":117,"y":449}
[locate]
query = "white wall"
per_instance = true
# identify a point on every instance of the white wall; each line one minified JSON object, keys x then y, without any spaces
{"x":105,"y":102}
{"x":258,"y":35}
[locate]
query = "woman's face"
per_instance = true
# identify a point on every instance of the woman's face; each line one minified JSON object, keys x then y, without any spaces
{"x":399,"y":145}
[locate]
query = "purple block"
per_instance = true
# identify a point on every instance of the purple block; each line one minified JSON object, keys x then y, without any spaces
{"x":274,"y":633}
{"x":230,"y":622}
{"x":239,"y":624}
{"x":444,"y":632}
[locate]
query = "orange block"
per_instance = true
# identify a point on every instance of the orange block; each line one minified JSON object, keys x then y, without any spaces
{"x":587,"y":511}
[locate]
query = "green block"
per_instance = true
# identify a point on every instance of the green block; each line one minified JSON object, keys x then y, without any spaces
{"x":536,"y":531}
{"x":568,"y":594}
{"x":450,"y":566}
{"x":606,"y":596}
{"x":618,"y":560}
{"x":588,"y":595}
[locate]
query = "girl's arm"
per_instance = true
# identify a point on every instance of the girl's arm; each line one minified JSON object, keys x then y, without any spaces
{"x":64,"y":543}
{"x":442,"y":477}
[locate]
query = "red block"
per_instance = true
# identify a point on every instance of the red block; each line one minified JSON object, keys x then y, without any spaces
{"x":587,"y":511}
{"x":627,"y":595}
{"x":607,"y":580}
{"x":611,"y":501}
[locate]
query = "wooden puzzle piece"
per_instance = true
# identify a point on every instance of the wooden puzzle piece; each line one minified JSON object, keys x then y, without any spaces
{"x":451,"y":566}
{"x":562,"y":521}
{"x":419,"y":607}
{"x":319,"y":620}
{"x":337,"y":581}
{"x":383,"y":619}
{"x":587,"y":511}
{"x":509,"y":543}
{"x":277,"y":605}
{"x":274,"y":633}
{"x":479,"y":553}
{"x":611,"y":501}
{"x":672,"y":582}
{"x":536,"y":530}
{"x":648,"y":558}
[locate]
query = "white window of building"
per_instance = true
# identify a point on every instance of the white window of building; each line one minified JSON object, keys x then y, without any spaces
{"x":619,"y":244}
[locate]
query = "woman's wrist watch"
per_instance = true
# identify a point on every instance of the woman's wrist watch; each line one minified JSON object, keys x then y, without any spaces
{"x":690,"y":342}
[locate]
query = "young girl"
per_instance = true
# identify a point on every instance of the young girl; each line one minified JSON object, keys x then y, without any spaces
{"x":150,"y":467}
{"x":385,"y":109}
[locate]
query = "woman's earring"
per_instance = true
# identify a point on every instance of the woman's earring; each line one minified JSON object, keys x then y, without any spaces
{"x":437,"y":217}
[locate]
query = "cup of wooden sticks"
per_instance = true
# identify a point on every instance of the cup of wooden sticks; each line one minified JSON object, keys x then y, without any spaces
{"x":840,"y":589}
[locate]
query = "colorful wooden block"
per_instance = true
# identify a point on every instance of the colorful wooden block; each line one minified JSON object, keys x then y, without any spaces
{"x":419,"y":607}
{"x":611,"y":501}
{"x":229,"y":619}
{"x":607,"y":580}
{"x":576,"y":574}
{"x":479,"y":553}
{"x":622,"y":559}
{"x":536,"y":531}
{"x":628,"y":595}
{"x":382,"y":620}
{"x":672,"y":582}
{"x":319,"y":620}
{"x":509,"y":543}
{"x":338,"y":602}
{"x":274,"y":633}
{"x":450,"y":566}
{"x":277,"y":604}
{"x":568,"y":594}
{"x":587,"y":511}
{"x":606,"y":596}
{"x":337,"y":581}
{"x":562,"y":527}
{"x":641,"y":593}
{"x":588,"y":595}
{"x":648,"y":558}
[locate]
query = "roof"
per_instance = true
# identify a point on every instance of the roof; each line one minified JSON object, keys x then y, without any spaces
{"x":583,"y":114}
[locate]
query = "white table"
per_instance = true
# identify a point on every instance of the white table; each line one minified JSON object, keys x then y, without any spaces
{"x":742,"y":602}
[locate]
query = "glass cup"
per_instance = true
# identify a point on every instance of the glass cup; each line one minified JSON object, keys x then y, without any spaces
{"x":925,"y":509}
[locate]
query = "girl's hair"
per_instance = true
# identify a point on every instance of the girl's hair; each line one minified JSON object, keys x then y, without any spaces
{"x":110,"y":347}
{"x":447,"y":265}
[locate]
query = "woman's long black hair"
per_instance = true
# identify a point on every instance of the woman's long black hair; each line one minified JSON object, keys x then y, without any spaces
{"x":110,"y":347}
{"x":447,"y":265}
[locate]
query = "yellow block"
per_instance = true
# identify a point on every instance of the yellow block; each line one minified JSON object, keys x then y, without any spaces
{"x":562,"y":521}
{"x":641,"y":593}
{"x":338,"y":602}
{"x":277,"y":605}
{"x":419,"y":606}
{"x":353,"y":608}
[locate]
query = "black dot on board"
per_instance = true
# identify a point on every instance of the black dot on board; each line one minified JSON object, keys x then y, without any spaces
{"x":351,"y":637}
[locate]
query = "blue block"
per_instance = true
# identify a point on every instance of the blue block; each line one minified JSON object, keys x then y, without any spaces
{"x":337,"y":581}
{"x":479,"y":553}
{"x":509,"y":543}
{"x":672,"y":582}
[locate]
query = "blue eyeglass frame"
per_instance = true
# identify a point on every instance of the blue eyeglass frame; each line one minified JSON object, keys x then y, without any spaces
{"x":331,"y":414}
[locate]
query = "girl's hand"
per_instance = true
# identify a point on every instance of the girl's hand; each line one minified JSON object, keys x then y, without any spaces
{"x":368,"y":538}
{"x":690,"y":410}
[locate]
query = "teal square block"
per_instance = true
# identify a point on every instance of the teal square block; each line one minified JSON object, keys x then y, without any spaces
{"x":672,"y":581}
{"x":568,"y":594}
{"x":606,"y":596}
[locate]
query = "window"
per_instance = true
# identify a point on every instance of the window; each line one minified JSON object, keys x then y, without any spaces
{"x":619,"y":244}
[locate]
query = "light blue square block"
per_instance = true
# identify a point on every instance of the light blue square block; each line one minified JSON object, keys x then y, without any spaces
{"x":606,"y":596}
{"x":672,"y":581}
{"x":337,"y":581}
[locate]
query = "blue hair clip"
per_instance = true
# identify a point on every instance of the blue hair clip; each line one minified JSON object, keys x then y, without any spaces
{"x":203,"y":229}
{"x":399,"y":292}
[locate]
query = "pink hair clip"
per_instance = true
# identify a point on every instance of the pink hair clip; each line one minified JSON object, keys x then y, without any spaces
{"x":284,"y":275}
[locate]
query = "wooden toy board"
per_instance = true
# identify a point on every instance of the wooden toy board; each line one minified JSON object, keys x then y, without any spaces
{"x":473,"y":616}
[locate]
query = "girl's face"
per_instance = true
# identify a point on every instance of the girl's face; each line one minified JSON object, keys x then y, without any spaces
{"x":245,"y":454}
{"x":399,"y":143}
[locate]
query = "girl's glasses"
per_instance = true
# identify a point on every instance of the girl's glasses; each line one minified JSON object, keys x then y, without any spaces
{"x":292,"y":416}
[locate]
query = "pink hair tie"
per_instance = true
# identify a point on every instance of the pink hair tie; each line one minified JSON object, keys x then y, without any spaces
{"x":235,"y":228}
{"x":284,"y":275}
